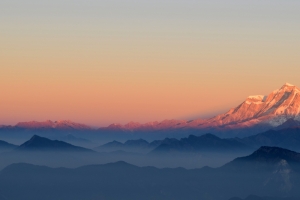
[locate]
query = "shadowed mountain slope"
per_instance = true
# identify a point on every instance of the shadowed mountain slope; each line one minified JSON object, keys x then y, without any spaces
{"x":77,"y":141}
{"x":37,"y":143}
{"x":139,"y":145}
{"x":290,"y":123}
{"x":204,"y":143}
{"x":5,"y":146}
{"x":285,"y":138}
{"x":265,"y":157}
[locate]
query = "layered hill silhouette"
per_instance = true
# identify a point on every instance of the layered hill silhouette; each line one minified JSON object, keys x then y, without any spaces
{"x":37,"y":143}
{"x":191,"y":144}
{"x":5,"y":146}
{"x":77,"y":141}
{"x":285,"y":138}
{"x":203,"y":143}
{"x":139,"y":145}
{"x":276,"y":176}
{"x":266,"y":157}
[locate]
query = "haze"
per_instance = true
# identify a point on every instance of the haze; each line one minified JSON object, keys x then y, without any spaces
{"x":100,"y":62}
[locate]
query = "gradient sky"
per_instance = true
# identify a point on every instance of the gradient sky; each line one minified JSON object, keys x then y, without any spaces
{"x":104,"y":61}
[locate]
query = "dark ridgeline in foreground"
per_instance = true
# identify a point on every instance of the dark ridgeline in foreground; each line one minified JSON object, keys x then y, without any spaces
{"x":269,"y":171}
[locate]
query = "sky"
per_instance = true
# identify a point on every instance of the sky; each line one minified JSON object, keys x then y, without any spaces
{"x":113,"y":61}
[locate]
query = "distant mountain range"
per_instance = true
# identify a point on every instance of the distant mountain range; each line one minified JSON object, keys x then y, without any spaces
{"x":285,"y":138}
{"x":268,"y":171}
{"x":61,"y":125}
{"x":140,"y":146}
{"x":257,"y":112}
{"x":204,"y":143}
{"x":279,"y":109}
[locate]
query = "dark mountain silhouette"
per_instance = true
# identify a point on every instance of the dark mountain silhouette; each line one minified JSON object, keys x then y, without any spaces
{"x":111,"y":145}
{"x":139,"y":145}
{"x":271,"y":155}
{"x":285,"y":138}
{"x":266,"y":157}
{"x":37,"y":143}
{"x":4,"y":146}
{"x":121,"y":180}
{"x":204,"y":143}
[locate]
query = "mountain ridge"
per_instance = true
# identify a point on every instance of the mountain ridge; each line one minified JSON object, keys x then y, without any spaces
{"x":279,"y":179}
{"x":258,"y":112}
{"x":60,"y":124}
{"x":283,"y":138}
{"x":37,"y":143}
{"x":270,"y":111}
{"x":4,"y":146}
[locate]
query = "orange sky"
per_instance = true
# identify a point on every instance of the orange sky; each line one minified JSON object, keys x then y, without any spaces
{"x":157,"y":62}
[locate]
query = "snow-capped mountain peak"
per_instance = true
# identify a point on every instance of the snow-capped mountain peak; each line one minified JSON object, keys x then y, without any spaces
{"x":274,"y":109}
{"x":288,"y":84}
